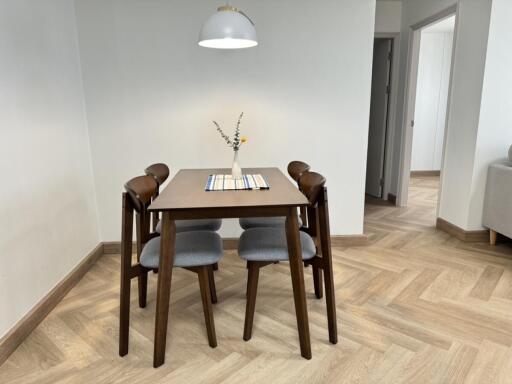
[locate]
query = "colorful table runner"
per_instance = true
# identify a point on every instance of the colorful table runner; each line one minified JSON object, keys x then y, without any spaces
{"x":227,"y":183}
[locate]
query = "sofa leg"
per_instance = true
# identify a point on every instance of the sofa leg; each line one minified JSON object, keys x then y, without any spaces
{"x":493,"y":237}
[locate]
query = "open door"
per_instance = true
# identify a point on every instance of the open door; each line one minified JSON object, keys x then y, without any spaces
{"x":381,"y":86}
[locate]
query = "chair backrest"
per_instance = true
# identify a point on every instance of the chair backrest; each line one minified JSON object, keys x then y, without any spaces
{"x":296,"y":169}
{"x":312,"y":185}
{"x":140,"y":191}
{"x":160,"y":172}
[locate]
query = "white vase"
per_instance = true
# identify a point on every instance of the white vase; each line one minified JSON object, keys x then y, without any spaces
{"x":236,"y":171}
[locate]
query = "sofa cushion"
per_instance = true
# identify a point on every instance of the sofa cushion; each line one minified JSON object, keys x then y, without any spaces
{"x":498,"y":202}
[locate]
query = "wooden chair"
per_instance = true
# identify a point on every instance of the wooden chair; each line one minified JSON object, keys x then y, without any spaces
{"x":264,"y":246}
{"x":196,"y":251}
{"x":295,"y":170}
{"x":160,"y":172}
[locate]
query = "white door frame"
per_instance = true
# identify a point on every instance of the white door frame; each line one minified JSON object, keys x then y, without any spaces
{"x":392,"y":107}
{"x":410,"y":102}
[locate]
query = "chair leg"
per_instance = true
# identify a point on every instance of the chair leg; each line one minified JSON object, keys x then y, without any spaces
{"x":252,"y":288}
{"x":493,"y":237}
{"x":317,"y":282}
{"x":124,"y":317}
{"x":216,"y":267}
{"x":247,"y":288}
{"x":126,"y":262}
{"x":330,"y":300}
{"x":204,"y":287}
{"x":211,"y":281}
{"x":143,"y":289}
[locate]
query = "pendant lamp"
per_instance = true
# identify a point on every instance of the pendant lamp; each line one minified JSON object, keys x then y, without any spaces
{"x":229,"y":28}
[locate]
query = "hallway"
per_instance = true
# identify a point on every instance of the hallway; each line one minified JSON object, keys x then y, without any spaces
{"x":419,"y":215}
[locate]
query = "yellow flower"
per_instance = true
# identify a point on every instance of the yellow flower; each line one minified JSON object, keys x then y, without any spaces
{"x":243,"y":139}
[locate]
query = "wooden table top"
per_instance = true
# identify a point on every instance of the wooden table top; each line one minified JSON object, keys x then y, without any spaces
{"x":187,"y":191}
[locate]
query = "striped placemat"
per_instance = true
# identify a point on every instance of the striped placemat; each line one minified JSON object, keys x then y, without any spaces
{"x":227,"y":183}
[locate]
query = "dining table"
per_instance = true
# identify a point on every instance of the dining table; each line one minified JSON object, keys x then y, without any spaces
{"x":186,"y":198}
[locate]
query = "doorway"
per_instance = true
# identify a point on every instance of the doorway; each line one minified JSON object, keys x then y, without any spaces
{"x":379,"y":116}
{"x":427,"y":103}
{"x":434,"y":67}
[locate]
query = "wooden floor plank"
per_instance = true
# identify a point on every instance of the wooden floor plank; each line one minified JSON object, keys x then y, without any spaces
{"x":487,"y":283}
{"x":414,"y":306}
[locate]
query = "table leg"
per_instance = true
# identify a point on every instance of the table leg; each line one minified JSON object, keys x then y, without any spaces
{"x":167,"y":251}
{"x":297,"y":273}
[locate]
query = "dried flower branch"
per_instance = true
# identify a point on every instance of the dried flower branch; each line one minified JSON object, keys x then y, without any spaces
{"x":237,"y":141}
{"x":224,"y":136}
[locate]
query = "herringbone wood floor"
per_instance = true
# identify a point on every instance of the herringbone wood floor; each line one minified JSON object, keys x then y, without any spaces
{"x":414,"y":306}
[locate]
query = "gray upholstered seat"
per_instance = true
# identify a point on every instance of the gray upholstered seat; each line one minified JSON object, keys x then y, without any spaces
{"x":194,"y":225}
{"x":264,"y":222}
{"x":269,"y":244}
{"x":192,"y":249}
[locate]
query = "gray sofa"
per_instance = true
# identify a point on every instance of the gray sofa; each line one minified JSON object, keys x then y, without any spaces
{"x":498,"y":199}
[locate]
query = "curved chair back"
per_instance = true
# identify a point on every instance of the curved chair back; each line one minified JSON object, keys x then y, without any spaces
{"x":140,"y":191}
{"x":312,"y":185}
{"x":297,"y":168}
{"x":159,"y":172}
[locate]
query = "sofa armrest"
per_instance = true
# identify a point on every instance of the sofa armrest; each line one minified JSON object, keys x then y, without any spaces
{"x":497,"y":213}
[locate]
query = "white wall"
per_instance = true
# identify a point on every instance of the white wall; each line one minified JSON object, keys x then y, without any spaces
{"x":463,"y":121}
{"x":479,"y":121}
{"x":151,"y":94}
{"x":388,"y":16}
{"x":388,"y":23}
{"x":495,"y":126}
{"x":471,"y":34}
{"x":48,"y":214}
{"x":413,"y":12}
{"x":431,"y":100}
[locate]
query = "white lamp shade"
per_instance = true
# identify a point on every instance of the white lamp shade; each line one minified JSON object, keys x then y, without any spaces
{"x":228,"y":29}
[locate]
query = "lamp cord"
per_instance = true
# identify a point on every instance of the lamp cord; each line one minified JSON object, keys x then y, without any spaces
{"x":240,"y":12}
{"x":247,"y":17}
